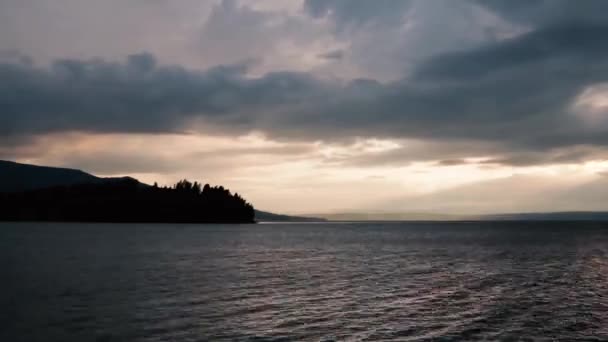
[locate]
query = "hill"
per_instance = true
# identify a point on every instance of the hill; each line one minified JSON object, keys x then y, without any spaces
{"x":26,"y":178}
{"x":532,"y":216}
{"x":16,"y":177}
{"x":271,"y":217}
{"x":556,"y":216}
{"x":388,"y":216}
{"x":38,"y":193}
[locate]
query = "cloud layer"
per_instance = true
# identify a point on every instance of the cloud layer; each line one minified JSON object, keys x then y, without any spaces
{"x":493,"y":83}
{"x":519,"y":94}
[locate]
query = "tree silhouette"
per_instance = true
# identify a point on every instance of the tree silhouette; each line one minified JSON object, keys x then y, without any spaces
{"x":128,"y":200}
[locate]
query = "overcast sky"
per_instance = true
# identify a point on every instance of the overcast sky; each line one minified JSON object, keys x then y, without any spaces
{"x":318,"y":105}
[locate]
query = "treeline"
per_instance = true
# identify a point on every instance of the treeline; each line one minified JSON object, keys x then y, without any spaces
{"x":128,"y":200}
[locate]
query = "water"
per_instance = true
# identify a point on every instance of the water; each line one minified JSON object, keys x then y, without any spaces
{"x":304,"y":282}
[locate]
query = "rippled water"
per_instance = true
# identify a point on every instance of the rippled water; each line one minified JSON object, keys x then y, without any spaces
{"x":304,"y":282}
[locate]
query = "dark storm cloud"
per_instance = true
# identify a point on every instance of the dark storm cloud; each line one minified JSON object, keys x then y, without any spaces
{"x":137,"y":96}
{"x":550,"y":12}
{"x":533,"y":12}
{"x":521,"y":104}
{"x":479,"y":94}
{"x":505,"y":96}
{"x":552,"y":49}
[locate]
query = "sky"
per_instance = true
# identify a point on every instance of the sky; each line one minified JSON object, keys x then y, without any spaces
{"x":318,"y":106}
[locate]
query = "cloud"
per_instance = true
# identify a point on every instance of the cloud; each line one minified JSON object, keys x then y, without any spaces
{"x":192,"y":33}
{"x":551,"y":47}
{"x":107,"y":29}
{"x":139,"y":96}
{"x":351,"y":13}
{"x":452,"y":162}
{"x":120,"y":154}
{"x":515,"y":193}
{"x":275,"y":38}
{"x":510,"y":93}
{"x":550,"y":13}
{"x":332,"y":55}
{"x":386,"y":39}
{"x":513,"y":97}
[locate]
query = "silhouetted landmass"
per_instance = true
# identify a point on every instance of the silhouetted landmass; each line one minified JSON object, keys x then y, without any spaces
{"x":555,"y":216}
{"x":409,"y":216}
{"x":31,"y":192}
{"x":18,"y":177}
{"x":127,"y":200}
{"x":271,"y":217}
{"x":41,"y":193}
{"x":23,"y":177}
{"x":388,"y":216}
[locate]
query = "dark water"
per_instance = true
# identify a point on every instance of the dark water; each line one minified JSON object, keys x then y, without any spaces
{"x":304,"y":282}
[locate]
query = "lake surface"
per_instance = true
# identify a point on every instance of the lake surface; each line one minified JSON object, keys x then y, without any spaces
{"x":304,"y":282}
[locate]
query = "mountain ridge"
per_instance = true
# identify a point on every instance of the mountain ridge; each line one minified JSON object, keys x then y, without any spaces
{"x":420,"y":216}
{"x":19,"y":177}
